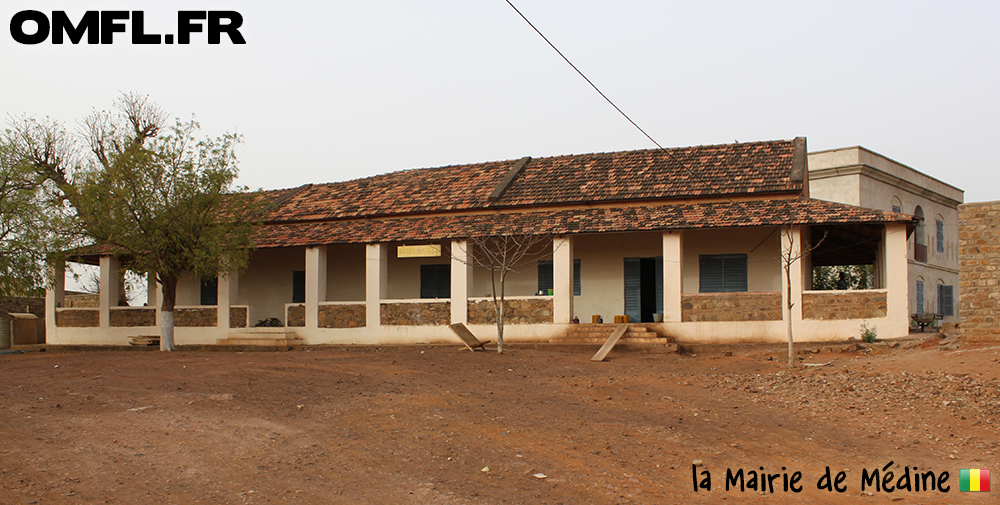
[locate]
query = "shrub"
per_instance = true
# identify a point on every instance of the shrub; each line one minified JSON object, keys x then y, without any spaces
{"x":868,"y":333}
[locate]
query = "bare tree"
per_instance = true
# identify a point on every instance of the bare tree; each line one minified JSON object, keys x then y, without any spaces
{"x":502,"y":255}
{"x":788,"y":257}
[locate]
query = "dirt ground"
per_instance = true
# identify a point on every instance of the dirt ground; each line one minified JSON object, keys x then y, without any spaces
{"x":439,"y":426}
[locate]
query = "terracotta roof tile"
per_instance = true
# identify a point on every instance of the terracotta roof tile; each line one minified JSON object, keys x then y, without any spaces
{"x":734,"y":169}
{"x":574,"y":221}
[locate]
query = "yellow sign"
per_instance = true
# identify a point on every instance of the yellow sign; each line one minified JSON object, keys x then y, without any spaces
{"x":419,"y":251}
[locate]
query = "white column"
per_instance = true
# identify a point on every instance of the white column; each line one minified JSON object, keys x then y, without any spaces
{"x":228,"y":288}
{"x":376,"y":282}
{"x":315,"y":283}
{"x":562,"y":279}
{"x":896,"y":282}
{"x":108,"y":289}
{"x":793,"y":242}
{"x":152,"y":293}
{"x":673,"y":275}
{"x":54,"y":298}
{"x":461,"y":280}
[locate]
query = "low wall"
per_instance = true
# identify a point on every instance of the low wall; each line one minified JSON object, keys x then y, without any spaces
{"x":78,"y":318}
{"x":343,"y":316}
{"x":238,"y":317}
{"x":515,"y":311}
{"x":295,"y":315}
{"x":132,"y":317}
{"x":416,"y":314}
{"x":834,"y":305}
{"x":195,"y":317}
{"x":753,"y":306}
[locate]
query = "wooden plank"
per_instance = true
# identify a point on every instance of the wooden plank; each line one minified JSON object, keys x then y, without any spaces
{"x":470,"y":340}
{"x":610,"y":343}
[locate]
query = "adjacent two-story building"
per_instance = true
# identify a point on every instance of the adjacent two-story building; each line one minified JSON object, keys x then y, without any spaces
{"x":858,"y":176}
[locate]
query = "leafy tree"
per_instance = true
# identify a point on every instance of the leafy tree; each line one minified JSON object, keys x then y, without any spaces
{"x":153,"y":194}
{"x":855,"y":276}
{"x":25,"y":225}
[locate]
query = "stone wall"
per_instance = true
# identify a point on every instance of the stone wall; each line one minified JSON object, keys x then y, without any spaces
{"x":237,"y":317}
{"x":516,"y":311}
{"x":78,"y":318}
{"x":831,"y":305}
{"x":978,"y":277}
{"x":128,"y":318}
{"x":34,"y":306}
{"x":91,"y":301}
{"x":753,"y":306}
{"x":202,"y":316}
{"x":342,"y":316}
{"x":295,"y":316}
{"x":416,"y":314}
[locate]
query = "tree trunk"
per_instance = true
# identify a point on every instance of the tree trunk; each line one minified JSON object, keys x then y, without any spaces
{"x":169,"y":283}
{"x":788,"y":282}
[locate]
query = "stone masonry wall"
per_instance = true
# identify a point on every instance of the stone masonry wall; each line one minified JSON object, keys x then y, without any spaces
{"x":978,"y":277}
{"x":78,"y":318}
{"x":237,"y":317}
{"x":204,"y":316}
{"x":833,"y":305}
{"x":517,"y":311}
{"x":343,"y":316}
{"x":416,"y":314}
{"x":296,"y":316}
{"x":754,"y":306}
{"x":129,"y":318}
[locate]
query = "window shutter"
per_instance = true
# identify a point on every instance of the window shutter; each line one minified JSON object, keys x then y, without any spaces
{"x":210,"y":291}
{"x":435,"y":281}
{"x":722,"y":273}
{"x":659,"y":283}
{"x":940,"y":235}
{"x":545,"y":281}
{"x":298,"y":286}
{"x":946,"y":301}
{"x":920,"y":297}
{"x":576,"y":277}
{"x":633,"y":292}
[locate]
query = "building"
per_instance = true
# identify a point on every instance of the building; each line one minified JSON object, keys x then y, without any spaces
{"x":858,"y":176}
{"x":692,"y":237}
{"x":979,"y":282}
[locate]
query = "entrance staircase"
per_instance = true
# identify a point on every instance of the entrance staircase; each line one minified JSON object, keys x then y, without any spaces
{"x":270,"y":337}
{"x":638,"y":338}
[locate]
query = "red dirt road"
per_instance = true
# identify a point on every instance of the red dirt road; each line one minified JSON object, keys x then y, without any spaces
{"x":422,"y":426}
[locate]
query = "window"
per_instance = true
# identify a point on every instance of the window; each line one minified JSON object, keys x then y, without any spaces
{"x":435,"y":281}
{"x":946,"y":300}
{"x":210,"y":291}
{"x":940,"y":235}
{"x":920,"y":297}
{"x":545,"y":281}
{"x":895,"y":204}
{"x":897,"y":208}
{"x":298,"y":286}
{"x":722,"y":273}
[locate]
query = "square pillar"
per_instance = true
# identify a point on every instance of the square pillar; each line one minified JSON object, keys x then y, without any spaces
{"x":228,"y":287}
{"x":315,"y":283}
{"x":562,"y":280}
{"x":55,"y":296}
{"x":152,"y":293}
{"x":895,"y":268}
{"x":461,"y":280}
{"x":791,"y":241}
{"x":673,"y":275}
{"x":376,"y":282}
{"x":108,"y":289}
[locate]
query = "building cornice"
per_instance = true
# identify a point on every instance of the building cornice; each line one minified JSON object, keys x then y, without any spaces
{"x":881,"y":176}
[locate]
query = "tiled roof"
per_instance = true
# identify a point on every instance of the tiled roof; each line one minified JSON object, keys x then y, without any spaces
{"x":754,"y":168}
{"x":574,"y":221}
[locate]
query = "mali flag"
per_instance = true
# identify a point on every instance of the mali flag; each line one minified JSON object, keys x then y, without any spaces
{"x":974,"y":479}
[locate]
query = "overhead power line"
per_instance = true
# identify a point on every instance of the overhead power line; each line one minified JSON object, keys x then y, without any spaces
{"x":598,"y":90}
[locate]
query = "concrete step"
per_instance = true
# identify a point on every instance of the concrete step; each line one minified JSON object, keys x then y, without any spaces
{"x":626,"y":339}
{"x":629,"y":334}
{"x":664,"y":348}
{"x":270,"y":337}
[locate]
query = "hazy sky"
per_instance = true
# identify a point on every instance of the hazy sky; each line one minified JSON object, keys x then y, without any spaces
{"x":328,"y":91}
